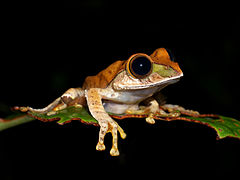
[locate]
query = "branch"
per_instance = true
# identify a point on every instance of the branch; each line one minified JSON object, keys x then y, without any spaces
{"x":12,"y":121}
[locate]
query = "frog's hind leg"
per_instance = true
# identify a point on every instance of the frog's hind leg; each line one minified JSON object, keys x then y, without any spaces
{"x":47,"y":109}
{"x":73,"y":96}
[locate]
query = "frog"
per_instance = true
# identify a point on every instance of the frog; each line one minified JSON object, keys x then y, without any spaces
{"x":125,"y":86}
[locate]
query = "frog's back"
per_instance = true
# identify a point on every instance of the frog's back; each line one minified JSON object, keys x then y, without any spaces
{"x":103,"y":78}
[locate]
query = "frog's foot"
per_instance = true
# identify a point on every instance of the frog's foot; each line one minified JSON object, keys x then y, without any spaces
{"x":150,"y":119}
{"x":113,"y":127}
{"x":151,"y":109}
{"x":178,"y":109}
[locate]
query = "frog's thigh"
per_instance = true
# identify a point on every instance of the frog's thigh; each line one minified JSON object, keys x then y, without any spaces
{"x":94,"y":101}
{"x":73,"y":96}
{"x":173,"y":108}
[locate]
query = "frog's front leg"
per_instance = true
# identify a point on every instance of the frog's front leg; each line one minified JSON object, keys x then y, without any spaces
{"x":107,"y":124}
{"x":152,"y":108}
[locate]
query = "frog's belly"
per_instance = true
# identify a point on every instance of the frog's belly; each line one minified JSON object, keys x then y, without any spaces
{"x":117,"y":108}
{"x":132,"y":96}
{"x":119,"y":102}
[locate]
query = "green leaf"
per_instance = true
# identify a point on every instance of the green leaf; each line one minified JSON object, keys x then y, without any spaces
{"x":224,"y":126}
{"x":67,"y":115}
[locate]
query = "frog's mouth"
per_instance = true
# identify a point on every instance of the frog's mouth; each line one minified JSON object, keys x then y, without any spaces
{"x":172,"y":80}
{"x":162,"y":83}
{"x":144,"y":84}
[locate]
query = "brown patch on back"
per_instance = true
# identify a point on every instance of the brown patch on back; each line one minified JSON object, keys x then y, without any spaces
{"x":103,"y":78}
{"x":161,"y":56}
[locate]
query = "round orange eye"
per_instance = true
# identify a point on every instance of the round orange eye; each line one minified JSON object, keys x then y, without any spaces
{"x":140,"y":66}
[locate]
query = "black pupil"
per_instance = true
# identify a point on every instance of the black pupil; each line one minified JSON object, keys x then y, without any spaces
{"x":141,"y":66}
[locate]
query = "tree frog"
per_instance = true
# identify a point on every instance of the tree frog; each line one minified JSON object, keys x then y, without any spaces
{"x":123,"y":87}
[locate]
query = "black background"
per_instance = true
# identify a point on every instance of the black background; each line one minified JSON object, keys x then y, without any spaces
{"x":45,"y":52}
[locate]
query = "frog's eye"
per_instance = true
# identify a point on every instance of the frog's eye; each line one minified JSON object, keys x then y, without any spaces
{"x":139,"y":66}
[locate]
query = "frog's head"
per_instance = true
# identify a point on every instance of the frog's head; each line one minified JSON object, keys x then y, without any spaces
{"x":143,"y":71}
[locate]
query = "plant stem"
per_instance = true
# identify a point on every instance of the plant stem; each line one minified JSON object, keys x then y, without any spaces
{"x":11,"y":122}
